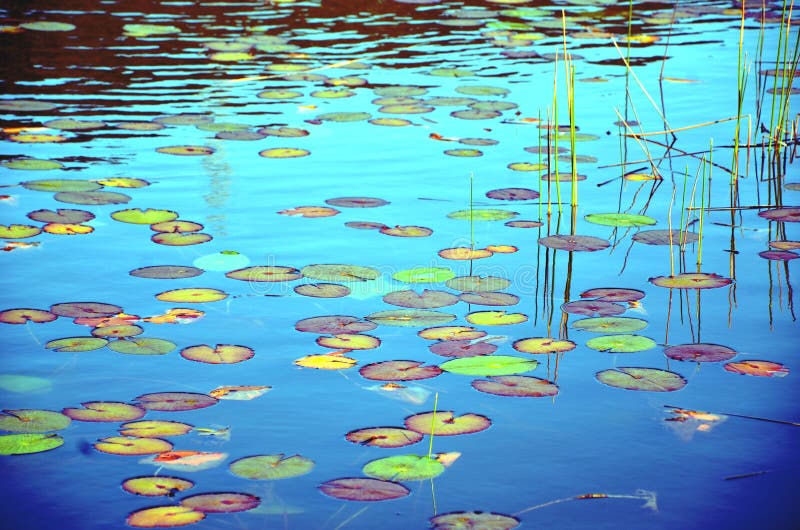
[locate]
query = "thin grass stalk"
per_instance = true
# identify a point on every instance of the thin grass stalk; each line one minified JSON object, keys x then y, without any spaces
{"x":703,"y":204}
{"x":550,"y":132}
{"x":433,"y":423}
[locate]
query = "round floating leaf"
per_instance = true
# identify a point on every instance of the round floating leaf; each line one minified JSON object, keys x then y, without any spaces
{"x":665,"y":237}
{"x":619,"y":219}
{"x":322,"y":290}
{"x":410,"y":317}
{"x":786,"y":215}
{"x":23,"y":384}
{"x":85,"y":309}
{"x":478,"y":284}
{"x":175,"y":401}
{"x":406,"y":231}
{"x":700,"y":352}
{"x":404,"y":467}
{"x":483,"y":520}
{"x":621,"y":343}
{"x":96,"y":198}
{"x":523,"y":224}
{"x":463,"y":152}
{"x":490,"y":365}
{"x":266,"y":273}
{"x":154,"y":428}
{"x":178,"y":239}
{"x":389,"y":437}
{"x":123,"y":182}
{"x":691,"y":280}
{"x":176,"y":226}
{"x":539,"y":345}
{"x":495,"y":318}
{"x":166,"y":272}
{"x":513,"y":194}
{"x":339,"y":273}
{"x":427,"y":299}
{"x":613,"y":294}
{"x":117,"y":331}
{"x":526,"y":166}
{"x":67,"y":229}
{"x":574,"y":243}
{"x":221,"y":502}
{"x":451,"y":333}
{"x":123,"y":445}
{"x":69,"y":124}
{"x":26,"y":105}
{"x":446,"y":423}
{"x":186,"y":150}
{"x":164,"y":516}
{"x":142,"y":346}
{"x":329,"y":361}
{"x":593,"y":308}
{"x":192,"y":295}
{"x":399,"y":371}
{"x":279,"y":94}
{"x":310,"y":211}
{"x":757,"y":368}
{"x":364,"y":225}
{"x":650,"y":379}
{"x":424,"y":275}
{"x":486,"y":214}
{"x":23,"y":444}
{"x":283,"y":132}
{"x":779,"y":255}
{"x":144,"y":217}
{"x":356,"y":202}
{"x":516,"y":386}
{"x":112,"y":411}
{"x":19,"y":231}
{"x":390,"y":122}
{"x":482,"y":90}
{"x":610,"y":324}
{"x":24,"y":315}
{"x":61,"y":215}
{"x":363,"y":489}
{"x":31,"y":164}
{"x":156,"y":486}
{"x":32,"y":420}
{"x":76,"y":344}
{"x":140,"y":126}
{"x":464,"y":253}
{"x":462,"y":348}
{"x":489,"y":298}
{"x":334,"y":325}
{"x":284,"y":152}
{"x":344,"y":116}
{"x":55,"y":185}
{"x":29,"y":138}
{"x":350,"y":341}
{"x":271,"y":467}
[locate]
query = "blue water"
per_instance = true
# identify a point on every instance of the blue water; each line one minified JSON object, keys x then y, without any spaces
{"x":590,"y":438}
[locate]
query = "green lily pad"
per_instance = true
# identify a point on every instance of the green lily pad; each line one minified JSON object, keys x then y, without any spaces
{"x":424,"y":275}
{"x":284,"y":152}
{"x":410,"y":317}
{"x":692,"y":280}
{"x":33,"y":420}
{"x":144,"y":217}
{"x":76,"y":344}
{"x":26,"y":105}
{"x":482,"y":90}
{"x":186,"y":150}
{"x":478,"y":284}
{"x":61,"y":215}
{"x":621,"y":343}
{"x":649,"y":379}
{"x":154,"y":428}
{"x":495,"y":318}
{"x":610,"y":324}
{"x":279,"y":94}
{"x":271,"y":467}
{"x":487,"y":365}
{"x":516,"y":386}
{"x":23,"y":444}
{"x":363,"y":489}
{"x":175,"y":401}
{"x":344,"y":116}
{"x":541,"y":345}
{"x":70,"y":124}
{"x":112,"y":411}
{"x":484,"y":214}
{"x":19,"y":231}
{"x":322,"y":290}
{"x":220,"y":354}
{"x":31,"y":164}
{"x":142,"y":346}
{"x":118,"y":331}
{"x":265,"y":273}
{"x":339,"y":273}
{"x":404,"y":467}
{"x":163,"y":516}
{"x":167,"y":272}
{"x":384,"y":437}
{"x":149,"y":30}
{"x":24,"y":315}
{"x":468,"y":520}
{"x":446,"y":423}
{"x":125,"y":445}
{"x":619,"y":219}
{"x":47,"y":25}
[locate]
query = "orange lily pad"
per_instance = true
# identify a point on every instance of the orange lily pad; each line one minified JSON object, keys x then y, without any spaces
{"x":164,"y":516}
{"x":757,"y":368}
{"x":156,"y":486}
{"x":446,"y":423}
{"x":125,"y":445}
{"x":539,"y":345}
{"x":112,"y":411}
{"x":516,"y":386}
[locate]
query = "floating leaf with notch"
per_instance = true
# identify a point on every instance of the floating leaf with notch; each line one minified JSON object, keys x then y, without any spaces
{"x":647,"y":379}
{"x":363,"y":489}
{"x":271,"y":467}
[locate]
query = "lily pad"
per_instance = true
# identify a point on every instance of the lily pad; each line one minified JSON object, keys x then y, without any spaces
{"x":334,"y":325}
{"x":28,"y":443}
{"x":154,"y":428}
{"x":96,"y":198}
{"x":175,"y":401}
{"x":427,"y":299}
{"x":19,"y":231}
{"x":610,"y":324}
{"x":339,"y":273}
{"x":424,"y":275}
{"x":700,"y":353}
{"x":404,"y":467}
{"x":482,"y":90}
{"x":330,"y":361}
{"x":593,"y":308}
{"x":462,"y":348}
{"x":487,"y":365}
{"x":446,"y":423}
{"x":31,"y":164}
{"x":24,"y":315}
{"x":156,"y":486}
{"x":619,"y":219}
{"x":410,"y":317}
{"x":284,"y":152}
{"x":166,"y":272}
{"x":32,"y":420}
{"x":451,"y":333}
{"x":142,"y":346}
{"x":56,"y":185}
{"x":757,"y":368}
{"x":478,"y":284}
{"x":513,"y":194}
{"x":621,"y":343}
{"x":147,"y":216}
{"x":129,"y":446}
{"x":613,"y":294}
{"x":349,"y":341}
{"x":322,"y":290}
{"x":779,"y":255}
{"x":117,"y":331}
{"x":786,"y":215}
{"x":465,"y":520}
{"x":574,"y":243}
{"x":221,"y":502}
{"x":164,"y":516}
{"x":356,"y":202}
{"x":271,"y":467}
{"x":489,"y":298}
{"x":649,"y":379}
{"x":406,"y":231}
{"x":390,"y":437}
{"x":178,"y":239}
{"x":192,"y":295}
{"x":495,"y":318}
{"x":540,"y":345}
{"x":61,"y":215}
{"x":691,"y":280}
{"x":665,"y":237}
{"x":177,"y":225}
{"x":482,"y":214}
{"x":399,"y":371}
{"x":464,"y":253}
{"x":111,"y":411}
{"x":76,"y":344}
{"x":85,"y":309}
{"x":186,"y":150}
{"x":516,"y":386}
{"x":363,"y":489}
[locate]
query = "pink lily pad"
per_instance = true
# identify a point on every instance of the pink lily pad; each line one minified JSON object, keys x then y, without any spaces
{"x":700,"y":353}
{"x":390,"y":437}
{"x":446,"y":423}
{"x":613,"y":294}
{"x":363,"y":489}
{"x":462,"y":348}
{"x":489,"y":298}
{"x":593,"y":308}
{"x":427,"y":299}
{"x":85,"y":309}
{"x":356,"y":202}
{"x":334,"y":325}
{"x":574,"y":243}
{"x":221,"y":502}
{"x":513,"y":194}
{"x":399,"y":371}
{"x":516,"y":386}
{"x":787,"y":214}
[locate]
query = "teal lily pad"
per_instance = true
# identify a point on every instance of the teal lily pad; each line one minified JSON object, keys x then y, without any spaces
{"x":22,"y":444}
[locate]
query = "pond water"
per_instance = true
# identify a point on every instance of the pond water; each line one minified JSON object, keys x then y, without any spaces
{"x":433,"y":120}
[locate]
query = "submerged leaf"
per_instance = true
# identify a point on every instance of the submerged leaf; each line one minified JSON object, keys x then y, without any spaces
{"x":700,"y":352}
{"x":363,"y":489}
{"x":516,"y":386}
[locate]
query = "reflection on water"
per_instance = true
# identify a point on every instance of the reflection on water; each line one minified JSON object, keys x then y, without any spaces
{"x":320,"y":181}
